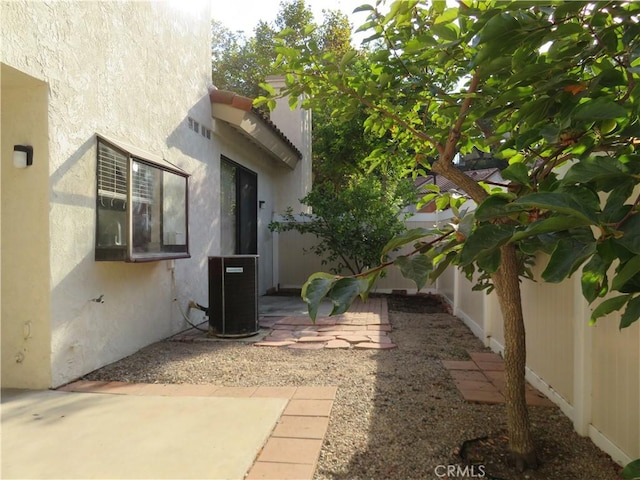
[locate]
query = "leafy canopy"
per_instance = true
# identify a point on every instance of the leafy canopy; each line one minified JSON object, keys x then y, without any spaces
{"x":352,"y":220}
{"x":240,"y":61}
{"x":550,"y":87}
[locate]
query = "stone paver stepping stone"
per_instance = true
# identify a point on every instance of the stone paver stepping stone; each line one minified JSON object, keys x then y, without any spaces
{"x":474,"y":375}
{"x":375,"y":346}
{"x":280,"y":339}
{"x":482,"y":396}
{"x":277,"y":326}
{"x":280,"y":334}
{"x":306,"y":333}
{"x":321,"y":338}
{"x":295,"y":321}
{"x":353,"y":338}
{"x":491,"y":366}
{"x":352,"y":321}
{"x":266,"y":343}
{"x":325,"y":321}
{"x":460,"y":365}
{"x":333,"y":333}
{"x":342,"y":328}
{"x":337,"y":344}
{"x":485,"y":357}
{"x":307,"y":346}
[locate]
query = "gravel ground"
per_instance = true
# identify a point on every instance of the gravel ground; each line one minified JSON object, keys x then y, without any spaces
{"x":397,"y":413}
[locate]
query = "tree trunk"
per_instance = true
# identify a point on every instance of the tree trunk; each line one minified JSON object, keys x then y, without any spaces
{"x":507,"y":285}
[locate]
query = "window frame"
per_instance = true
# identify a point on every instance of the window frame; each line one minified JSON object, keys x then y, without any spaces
{"x":125,"y":250}
{"x":244,"y":228}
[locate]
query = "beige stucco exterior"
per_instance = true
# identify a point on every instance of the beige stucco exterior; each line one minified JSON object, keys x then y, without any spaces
{"x":296,"y":124}
{"x":134,"y":71}
{"x":26,"y":294}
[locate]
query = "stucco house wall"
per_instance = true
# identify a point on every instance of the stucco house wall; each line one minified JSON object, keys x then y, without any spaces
{"x":25,"y":253}
{"x":235,"y":147}
{"x":138,"y":72}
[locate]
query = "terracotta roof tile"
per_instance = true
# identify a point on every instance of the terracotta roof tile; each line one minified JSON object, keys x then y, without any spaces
{"x":246,"y":104}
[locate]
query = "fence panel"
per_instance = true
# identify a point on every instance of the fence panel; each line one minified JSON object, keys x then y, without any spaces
{"x":616,"y":384}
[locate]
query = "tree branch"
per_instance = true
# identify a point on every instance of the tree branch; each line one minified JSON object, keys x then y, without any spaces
{"x":444,"y":165}
{"x":388,"y":263}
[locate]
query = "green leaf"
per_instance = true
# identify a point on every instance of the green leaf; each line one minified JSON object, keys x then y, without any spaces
{"x":490,"y":262}
{"x":395,"y":7}
{"x":465,"y":226}
{"x":442,"y":202}
{"x":407,"y":237}
{"x":483,"y":240}
{"x":550,"y":133}
{"x":628,"y":271}
{"x":566,"y":258}
{"x":615,"y":209}
{"x":593,"y":168}
{"x":600,"y":108}
{"x":631,"y":234}
{"x":315,"y":289}
{"x":371,"y":278}
{"x":269,"y":88}
{"x":344,"y":291}
{"x":630,"y":316}
{"x":557,"y":202}
{"x":594,"y":278}
{"x":347,"y":57}
{"x":548,"y":225}
{"x":608,"y":306}
{"x":364,"y":8}
{"x":525,"y":139}
{"x":416,"y":268}
{"x":446,"y":31}
{"x":449,"y":15}
{"x":442,"y":265}
{"x":517,"y":172}
{"x":493,"y":206}
{"x":498,"y":28}
{"x":632,"y":470}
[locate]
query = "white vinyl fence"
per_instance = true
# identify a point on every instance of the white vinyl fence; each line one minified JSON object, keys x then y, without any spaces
{"x":591,"y":372}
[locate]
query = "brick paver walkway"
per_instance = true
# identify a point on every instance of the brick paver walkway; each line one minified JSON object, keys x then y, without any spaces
{"x":481,"y":379}
{"x":365,"y":326}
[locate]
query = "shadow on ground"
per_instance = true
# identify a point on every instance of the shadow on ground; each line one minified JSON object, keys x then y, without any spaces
{"x":420,"y":421}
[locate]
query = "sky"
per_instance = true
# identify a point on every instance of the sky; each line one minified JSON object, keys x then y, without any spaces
{"x":245,"y":14}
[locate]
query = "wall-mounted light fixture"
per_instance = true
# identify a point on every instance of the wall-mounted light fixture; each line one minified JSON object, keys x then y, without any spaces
{"x":22,"y":156}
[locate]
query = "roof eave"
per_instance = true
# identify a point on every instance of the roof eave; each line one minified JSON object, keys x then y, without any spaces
{"x":253,"y":126}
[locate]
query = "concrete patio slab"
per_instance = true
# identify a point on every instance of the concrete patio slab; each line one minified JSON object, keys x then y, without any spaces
{"x":289,"y":306}
{"x":56,"y":434}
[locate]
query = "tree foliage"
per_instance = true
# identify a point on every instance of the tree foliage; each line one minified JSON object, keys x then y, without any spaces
{"x":552,"y":88}
{"x":241,"y":61}
{"x":558,"y":100}
{"x":353,"y":220}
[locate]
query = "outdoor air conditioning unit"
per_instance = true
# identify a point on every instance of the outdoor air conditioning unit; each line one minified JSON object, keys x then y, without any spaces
{"x":233,"y":295}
